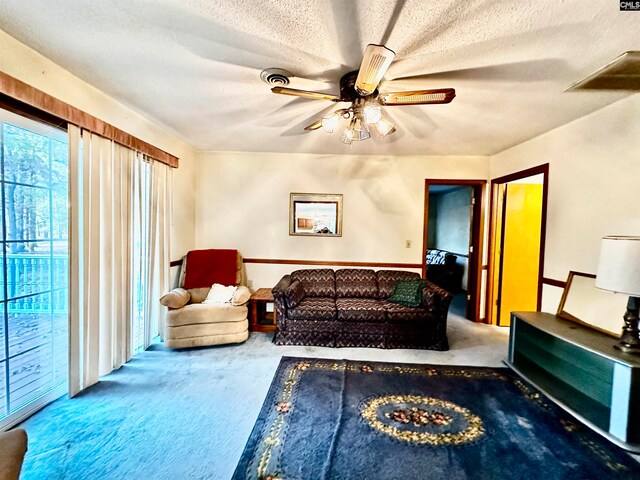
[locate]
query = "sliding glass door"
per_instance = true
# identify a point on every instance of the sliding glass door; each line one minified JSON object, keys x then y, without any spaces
{"x":34,"y":266}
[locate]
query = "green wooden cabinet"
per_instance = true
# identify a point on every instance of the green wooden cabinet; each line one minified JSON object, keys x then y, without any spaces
{"x":579,"y":369}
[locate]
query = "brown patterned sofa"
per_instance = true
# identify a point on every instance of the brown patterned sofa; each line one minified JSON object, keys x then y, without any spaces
{"x":349,"y":308}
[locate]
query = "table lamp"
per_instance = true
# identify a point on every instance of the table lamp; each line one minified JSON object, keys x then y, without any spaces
{"x":619,"y":272}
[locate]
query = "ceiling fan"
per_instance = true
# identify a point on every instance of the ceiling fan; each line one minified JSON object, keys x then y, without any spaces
{"x":360,"y":89}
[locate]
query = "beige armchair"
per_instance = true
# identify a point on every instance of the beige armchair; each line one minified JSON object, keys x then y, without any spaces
{"x":192,"y":323}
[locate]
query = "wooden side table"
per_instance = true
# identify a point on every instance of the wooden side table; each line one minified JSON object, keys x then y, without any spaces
{"x":259,"y":319}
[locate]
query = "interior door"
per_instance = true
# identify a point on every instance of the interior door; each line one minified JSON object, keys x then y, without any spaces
{"x":520,"y":247}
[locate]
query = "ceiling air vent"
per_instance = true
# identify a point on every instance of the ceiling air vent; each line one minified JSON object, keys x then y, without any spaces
{"x":621,"y":74}
{"x":275,"y":76}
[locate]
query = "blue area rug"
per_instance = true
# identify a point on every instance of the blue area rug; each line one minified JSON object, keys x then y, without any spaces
{"x":327,"y":419}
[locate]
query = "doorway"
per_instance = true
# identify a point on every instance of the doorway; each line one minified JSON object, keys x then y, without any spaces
{"x":518,"y":224}
{"x":452,"y":241}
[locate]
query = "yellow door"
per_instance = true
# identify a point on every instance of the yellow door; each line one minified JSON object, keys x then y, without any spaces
{"x":522,"y":223}
{"x":494,"y":291}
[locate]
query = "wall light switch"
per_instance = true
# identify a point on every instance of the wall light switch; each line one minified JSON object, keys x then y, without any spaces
{"x":407,"y":243}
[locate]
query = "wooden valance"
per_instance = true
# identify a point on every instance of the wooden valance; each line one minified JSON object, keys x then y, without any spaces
{"x":22,"y":92}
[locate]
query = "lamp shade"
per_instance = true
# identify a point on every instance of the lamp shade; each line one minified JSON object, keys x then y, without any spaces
{"x":619,"y":265}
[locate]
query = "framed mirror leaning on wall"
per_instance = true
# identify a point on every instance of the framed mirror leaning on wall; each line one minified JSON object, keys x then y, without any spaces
{"x":582,"y":302}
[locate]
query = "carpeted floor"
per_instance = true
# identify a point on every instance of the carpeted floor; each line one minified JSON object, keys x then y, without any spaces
{"x":459,"y":304}
{"x":188,"y":414}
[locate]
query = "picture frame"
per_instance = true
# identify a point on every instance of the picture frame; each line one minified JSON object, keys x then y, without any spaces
{"x":583,"y":303}
{"x":315,"y":214}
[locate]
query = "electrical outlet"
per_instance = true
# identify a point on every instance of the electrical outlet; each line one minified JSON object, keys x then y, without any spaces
{"x":249,"y":283}
{"x":407,"y":243}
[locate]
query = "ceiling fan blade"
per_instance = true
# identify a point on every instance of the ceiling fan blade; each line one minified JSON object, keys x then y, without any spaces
{"x":418,"y":97}
{"x":303,"y":93}
{"x":314,"y":126}
{"x":375,"y":63}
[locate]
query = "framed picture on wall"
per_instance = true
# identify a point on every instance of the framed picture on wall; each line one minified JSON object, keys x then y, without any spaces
{"x":582,"y":302}
{"x":315,"y":214}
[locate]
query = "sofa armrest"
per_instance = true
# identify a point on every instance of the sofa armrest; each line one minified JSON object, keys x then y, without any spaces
{"x":281,"y":286}
{"x":436,"y":301}
{"x":435,"y":298}
{"x":279,"y":300}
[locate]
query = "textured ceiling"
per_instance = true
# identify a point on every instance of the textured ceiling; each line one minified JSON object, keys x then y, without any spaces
{"x":194,"y":65}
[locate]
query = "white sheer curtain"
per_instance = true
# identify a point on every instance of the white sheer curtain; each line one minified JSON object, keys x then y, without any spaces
{"x":152,"y":185}
{"x":119,"y":208}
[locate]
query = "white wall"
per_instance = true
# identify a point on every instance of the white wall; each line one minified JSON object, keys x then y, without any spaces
{"x":243,"y":202}
{"x":594,"y":186}
{"x":25,"y":64}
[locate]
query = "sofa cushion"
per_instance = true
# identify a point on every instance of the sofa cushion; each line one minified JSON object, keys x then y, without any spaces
{"x":399,"y":313}
{"x":294,"y":294}
{"x":355,"y":283}
{"x":318,"y":282}
{"x":360,"y":310}
{"x":313,"y":308}
{"x":387,"y":281}
{"x":408,"y":292}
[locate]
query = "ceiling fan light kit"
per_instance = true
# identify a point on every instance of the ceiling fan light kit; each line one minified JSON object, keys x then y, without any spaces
{"x":330,"y":123}
{"x":360,"y":88}
{"x":372,"y":113}
{"x":347,"y":136}
{"x":360,"y":128}
{"x":360,"y":115}
{"x":385,"y":127}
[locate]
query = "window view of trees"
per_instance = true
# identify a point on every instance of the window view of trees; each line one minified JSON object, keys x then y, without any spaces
{"x":35,"y":167}
{"x":34,"y":262}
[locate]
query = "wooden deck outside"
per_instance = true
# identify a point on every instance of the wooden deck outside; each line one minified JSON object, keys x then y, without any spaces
{"x":34,"y":365}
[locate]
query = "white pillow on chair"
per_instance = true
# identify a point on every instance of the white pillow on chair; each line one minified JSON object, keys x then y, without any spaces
{"x":220,"y":294}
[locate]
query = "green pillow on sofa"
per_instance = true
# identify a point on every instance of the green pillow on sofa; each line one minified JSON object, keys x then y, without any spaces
{"x":408,"y":292}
